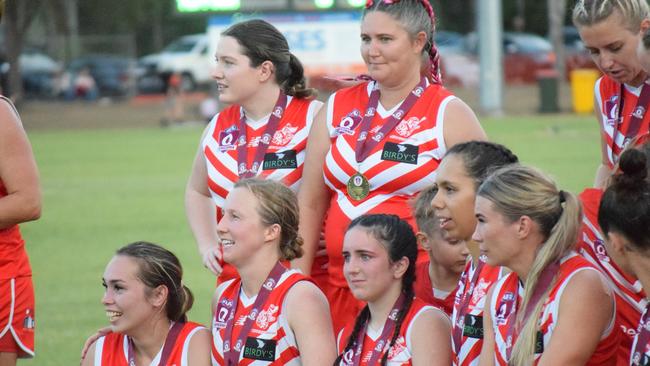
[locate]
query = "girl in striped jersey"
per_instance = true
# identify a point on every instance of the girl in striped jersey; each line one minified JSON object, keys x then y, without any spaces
{"x":377,"y":144}
{"x":624,"y":215}
{"x":554,"y":308}
{"x":146,"y":304}
{"x":262,"y":133}
{"x":394,"y":328}
{"x":462,"y":170}
{"x":612,"y":30}
{"x":270,"y":315}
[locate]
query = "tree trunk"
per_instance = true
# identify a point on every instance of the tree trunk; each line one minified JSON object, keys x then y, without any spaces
{"x":556,"y":14}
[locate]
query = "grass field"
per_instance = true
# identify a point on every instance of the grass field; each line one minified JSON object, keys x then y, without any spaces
{"x":104,"y":188}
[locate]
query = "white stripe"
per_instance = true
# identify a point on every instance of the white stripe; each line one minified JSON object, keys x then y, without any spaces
{"x":186,"y":345}
{"x":440,"y":124}
{"x":11,"y":309}
{"x":99,"y":350}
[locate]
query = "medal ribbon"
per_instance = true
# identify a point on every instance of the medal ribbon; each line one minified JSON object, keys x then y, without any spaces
{"x":364,"y":147}
{"x":242,"y":144}
{"x":635,"y":120}
{"x":543,"y":283}
{"x":389,"y":328}
{"x":642,"y":338}
{"x":230,"y":351}
{"x":457,"y":332}
{"x":172,"y":336}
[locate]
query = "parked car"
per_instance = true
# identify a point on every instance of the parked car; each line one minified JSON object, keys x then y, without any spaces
{"x":114,"y":75}
{"x":577,"y":57}
{"x":39,"y":73}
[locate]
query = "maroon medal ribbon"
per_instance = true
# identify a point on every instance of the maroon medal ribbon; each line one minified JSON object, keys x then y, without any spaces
{"x":389,"y":328}
{"x":242,"y":144}
{"x":230,"y":351}
{"x":364,"y":147}
{"x":642,"y":338}
{"x":172,"y":336}
{"x":543,"y":283}
{"x":636,"y":118}
{"x":457,"y":331}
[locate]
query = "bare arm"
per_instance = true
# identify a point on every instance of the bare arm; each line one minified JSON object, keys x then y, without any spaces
{"x":18,"y":172}
{"x":461,"y":124}
{"x":200,"y":349}
{"x":88,"y":358}
{"x":580,"y":322}
{"x":308,"y":314}
{"x":487,"y":352}
{"x":313,"y":196}
{"x":603,"y":172}
{"x":201,"y":213}
{"x":430,"y":339}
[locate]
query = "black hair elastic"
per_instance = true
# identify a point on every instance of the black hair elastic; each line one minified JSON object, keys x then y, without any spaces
{"x":562,"y":197}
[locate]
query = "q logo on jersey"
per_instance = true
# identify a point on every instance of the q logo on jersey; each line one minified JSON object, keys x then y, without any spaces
{"x":611,"y":110}
{"x":348,"y":123}
{"x":227,"y":140}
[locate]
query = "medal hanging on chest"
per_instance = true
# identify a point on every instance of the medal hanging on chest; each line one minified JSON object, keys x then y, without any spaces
{"x":358,"y":187}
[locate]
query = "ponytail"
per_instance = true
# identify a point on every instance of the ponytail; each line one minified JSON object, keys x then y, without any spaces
{"x":295,"y":84}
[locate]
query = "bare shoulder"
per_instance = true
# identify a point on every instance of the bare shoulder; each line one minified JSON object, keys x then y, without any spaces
{"x":461,"y":124}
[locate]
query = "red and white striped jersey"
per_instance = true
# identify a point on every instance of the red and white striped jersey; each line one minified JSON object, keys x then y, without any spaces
{"x":398,"y":355}
{"x":471,"y":321}
{"x":13,"y":256}
{"x":607,"y":92}
{"x":424,"y":290}
{"x":400,"y":166}
{"x":270,"y":340}
{"x":112,"y":349}
{"x":630,"y":297}
{"x":285,"y":155}
{"x":507,"y":297}
{"x":641,"y":359}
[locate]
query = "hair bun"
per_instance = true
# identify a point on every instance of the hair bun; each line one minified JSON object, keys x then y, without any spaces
{"x":633,"y":167}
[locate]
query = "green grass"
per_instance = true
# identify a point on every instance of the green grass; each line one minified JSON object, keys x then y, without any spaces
{"x":105,"y":188}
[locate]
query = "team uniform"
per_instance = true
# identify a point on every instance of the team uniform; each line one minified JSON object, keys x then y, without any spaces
{"x":507,"y":297}
{"x":398,"y":167}
{"x":608,"y":94}
{"x":283,"y":161}
{"x":398,"y":355}
{"x":424,"y":290}
{"x":643,"y":357}
{"x":630,"y":297}
{"x":16,"y":291}
{"x":470,"y":322}
{"x":112,"y":349}
{"x":270,"y":340}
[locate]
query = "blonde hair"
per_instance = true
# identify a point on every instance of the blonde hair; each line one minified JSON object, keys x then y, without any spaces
{"x":423,"y":211}
{"x":516,"y":191}
{"x":277,"y":204}
{"x":590,"y":12}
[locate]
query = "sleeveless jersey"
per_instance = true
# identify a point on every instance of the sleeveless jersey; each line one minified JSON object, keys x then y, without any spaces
{"x":507,"y":289}
{"x":607,"y":92}
{"x":399,"y":167}
{"x":630,"y":297}
{"x":112,"y":349}
{"x":641,"y":359}
{"x":424,"y":290}
{"x":472,"y":323}
{"x":398,"y":355}
{"x":270,"y":340}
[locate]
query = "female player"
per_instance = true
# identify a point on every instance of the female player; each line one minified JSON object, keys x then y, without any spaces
{"x":554,"y":308}
{"x":611,"y":30}
{"x":379,"y":143}
{"x":394,"y":328}
{"x":461,"y":172}
{"x":270,"y":313}
{"x":146,"y":304}
{"x":20,"y":201}
{"x":263,"y":133}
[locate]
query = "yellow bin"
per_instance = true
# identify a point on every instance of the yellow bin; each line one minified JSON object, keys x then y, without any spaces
{"x":582,"y":89}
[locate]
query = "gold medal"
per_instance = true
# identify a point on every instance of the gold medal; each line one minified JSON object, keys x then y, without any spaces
{"x":358,"y":187}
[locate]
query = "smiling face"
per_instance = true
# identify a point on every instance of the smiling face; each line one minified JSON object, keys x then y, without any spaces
{"x":367,"y":267}
{"x":495,"y":235}
{"x":613,"y":47}
{"x":454,"y":201}
{"x":126,"y":299}
{"x":237,"y":80}
{"x":388,"y":50}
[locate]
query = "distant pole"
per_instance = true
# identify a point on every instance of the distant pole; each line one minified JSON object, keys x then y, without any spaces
{"x":490,"y":46}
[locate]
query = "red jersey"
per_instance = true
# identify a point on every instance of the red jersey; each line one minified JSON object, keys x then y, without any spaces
{"x":398,"y":355}
{"x":507,"y":297}
{"x":399,"y":167}
{"x":270,"y":340}
{"x":112,"y":349}
{"x":424,"y":290}
{"x":13,"y":256}
{"x":630,"y":297}
{"x":641,"y":358}
{"x":471,"y":321}
{"x":608,"y":94}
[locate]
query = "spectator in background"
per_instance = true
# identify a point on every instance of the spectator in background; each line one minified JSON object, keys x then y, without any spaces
{"x":174,"y":104}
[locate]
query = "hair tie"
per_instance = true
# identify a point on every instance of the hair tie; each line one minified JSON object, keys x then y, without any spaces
{"x":562,"y":197}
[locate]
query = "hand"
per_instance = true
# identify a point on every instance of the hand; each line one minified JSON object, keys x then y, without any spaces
{"x":213,"y":259}
{"x":92,"y":339}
